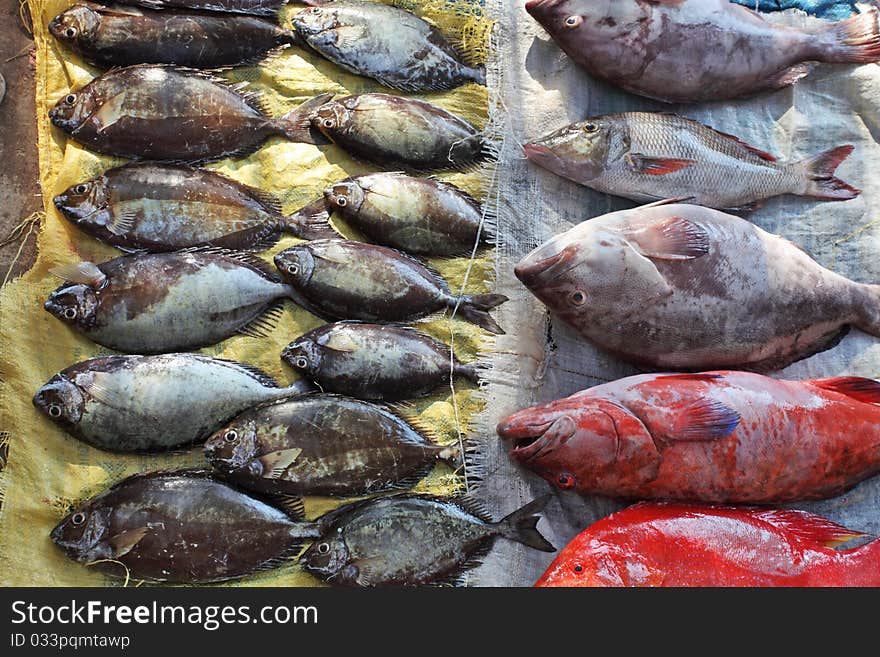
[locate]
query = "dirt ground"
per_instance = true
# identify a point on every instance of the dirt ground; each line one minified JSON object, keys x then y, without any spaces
{"x":19,"y":186}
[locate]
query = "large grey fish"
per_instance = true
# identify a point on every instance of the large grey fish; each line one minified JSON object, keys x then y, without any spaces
{"x":155,"y":303}
{"x":163,"y":207}
{"x":149,"y":403}
{"x":324,"y":445}
{"x":421,"y":216}
{"x":344,"y":279}
{"x":647,"y":157}
{"x":688,"y":51}
{"x":116,"y":35}
{"x":388,"y":44}
{"x":183,"y":526}
{"x":408,"y":540}
{"x":685,"y":287}
{"x":377,"y":362}
{"x":148,"y":112}
{"x":400,"y":133}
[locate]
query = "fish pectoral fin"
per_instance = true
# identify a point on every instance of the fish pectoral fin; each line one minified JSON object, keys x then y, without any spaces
{"x":704,"y":420}
{"x":123,"y":542}
{"x":788,"y":76}
{"x":673,"y":238}
{"x":807,"y":527}
{"x":85,"y":273}
{"x":642,"y":274}
{"x":276,"y":463}
{"x":349,"y":36}
{"x":748,"y":207}
{"x":341,"y":342}
{"x":855,"y":387}
{"x":122,"y":222}
{"x":656,"y":166}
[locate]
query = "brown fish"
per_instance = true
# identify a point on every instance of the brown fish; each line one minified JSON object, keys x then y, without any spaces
{"x":147,"y":112}
{"x":324,"y":445}
{"x":164,"y":207}
{"x":400,"y":133}
{"x":155,"y":303}
{"x":375,"y":361}
{"x":646,"y":157}
{"x":684,"y":287}
{"x":344,"y":279}
{"x":116,"y":35}
{"x":254,"y":7}
{"x":421,"y":216}
{"x":182,"y":526}
{"x":689,"y":51}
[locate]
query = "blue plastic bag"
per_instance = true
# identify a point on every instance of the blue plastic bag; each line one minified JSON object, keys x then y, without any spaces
{"x":831,"y":9}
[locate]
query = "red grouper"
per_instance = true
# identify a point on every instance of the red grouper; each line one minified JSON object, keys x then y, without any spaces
{"x":722,"y":437}
{"x":676,"y":545}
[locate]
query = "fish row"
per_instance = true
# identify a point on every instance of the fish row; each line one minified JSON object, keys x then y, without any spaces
{"x":388,"y":44}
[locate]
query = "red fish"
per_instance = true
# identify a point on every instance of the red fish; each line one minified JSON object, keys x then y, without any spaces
{"x":722,"y":437}
{"x":652,"y":544}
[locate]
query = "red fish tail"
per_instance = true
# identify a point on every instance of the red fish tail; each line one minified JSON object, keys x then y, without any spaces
{"x":853,"y":41}
{"x":856,"y":567}
{"x":818,"y":174}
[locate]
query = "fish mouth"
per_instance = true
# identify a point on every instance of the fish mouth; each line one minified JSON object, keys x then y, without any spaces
{"x":543,"y":156}
{"x":532,"y":269}
{"x":528,"y":439}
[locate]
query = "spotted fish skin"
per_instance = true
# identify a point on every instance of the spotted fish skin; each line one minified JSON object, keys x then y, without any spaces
{"x":115,"y":35}
{"x":152,"y":403}
{"x":388,"y":44}
{"x":147,"y":206}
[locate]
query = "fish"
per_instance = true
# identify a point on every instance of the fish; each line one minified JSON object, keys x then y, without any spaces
{"x":681,"y":545}
{"x":671,"y":286}
{"x":386,"y":43}
{"x":400,"y":133}
{"x":422,"y":216}
{"x":146,"y":112}
{"x":647,"y":156}
{"x":375,"y":362}
{"x":116,"y":35}
{"x":154,"y":403}
{"x":183,"y":526}
{"x":691,"y":51}
{"x":167,"y":302}
{"x":156,"y":207}
{"x":253,"y":7}
{"x":411,"y":540}
{"x":324,"y":445}
{"x":344,"y":279}
{"x":720,"y":437}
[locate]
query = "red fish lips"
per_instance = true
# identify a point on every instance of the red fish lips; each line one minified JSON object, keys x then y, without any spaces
{"x":532,"y":440}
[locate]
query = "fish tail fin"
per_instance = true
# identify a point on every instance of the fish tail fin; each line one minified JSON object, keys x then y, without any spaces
{"x":478,"y":74}
{"x":296,"y":125}
{"x":469,"y":371}
{"x":474,"y":308}
{"x":451,"y":455}
{"x":868,"y":309}
{"x":310,"y":223}
{"x":521,"y":525}
{"x":819,"y":179}
{"x":855,"y":40}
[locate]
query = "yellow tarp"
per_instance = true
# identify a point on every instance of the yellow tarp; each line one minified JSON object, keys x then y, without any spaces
{"x":48,"y":470}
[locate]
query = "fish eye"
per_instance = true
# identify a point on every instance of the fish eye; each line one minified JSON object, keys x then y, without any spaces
{"x":70,"y":313}
{"x":301,"y":362}
{"x":80,"y":189}
{"x":230,"y":436}
{"x":323,"y":548}
{"x":573,"y":21}
{"x":328,"y":123}
{"x":578,"y":568}
{"x":591,"y":128}
{"x":578,"y":297}
{"x":341,"y":202}
{"x":70,"y":99}
{"x":315,"y":10}
{"x":70,"y":32}
{"x":293,"y":269}
{"x":78,"y":518}
{"x":565,"y":480}
{"x":54,"y":410}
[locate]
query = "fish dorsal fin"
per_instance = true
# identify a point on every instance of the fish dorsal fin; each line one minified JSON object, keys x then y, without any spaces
{"x":764,"y":155}
{"x":268,"y":200}
{"x":252,"y":370}
{"x":807,"y":526}
{"x":704,"y":420}
{"x":856,"y":387}
{"x":673,"y":238}
{"x":406,"y":412}
{"x":85,"y":273}
{"x":696,"y":376}
{"x":249,"y":260}
{"x":262,"y":325}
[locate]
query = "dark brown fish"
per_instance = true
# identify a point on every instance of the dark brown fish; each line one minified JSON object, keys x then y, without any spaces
{"x":149,"y":403}
{"x":408,"y":540}
{"x":421,"y":216}
{"x":182,"y":526}
{"x":155,"y":303}
{"x":374,"y":361}
{"x":324,"y":445}
{"x":164,"y":207}
{"x":400,"y":133}
{"x":164,"y":113}
{"x":116,"y":35}
{"x":343,"y":279}
{"x":253,"y":7}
